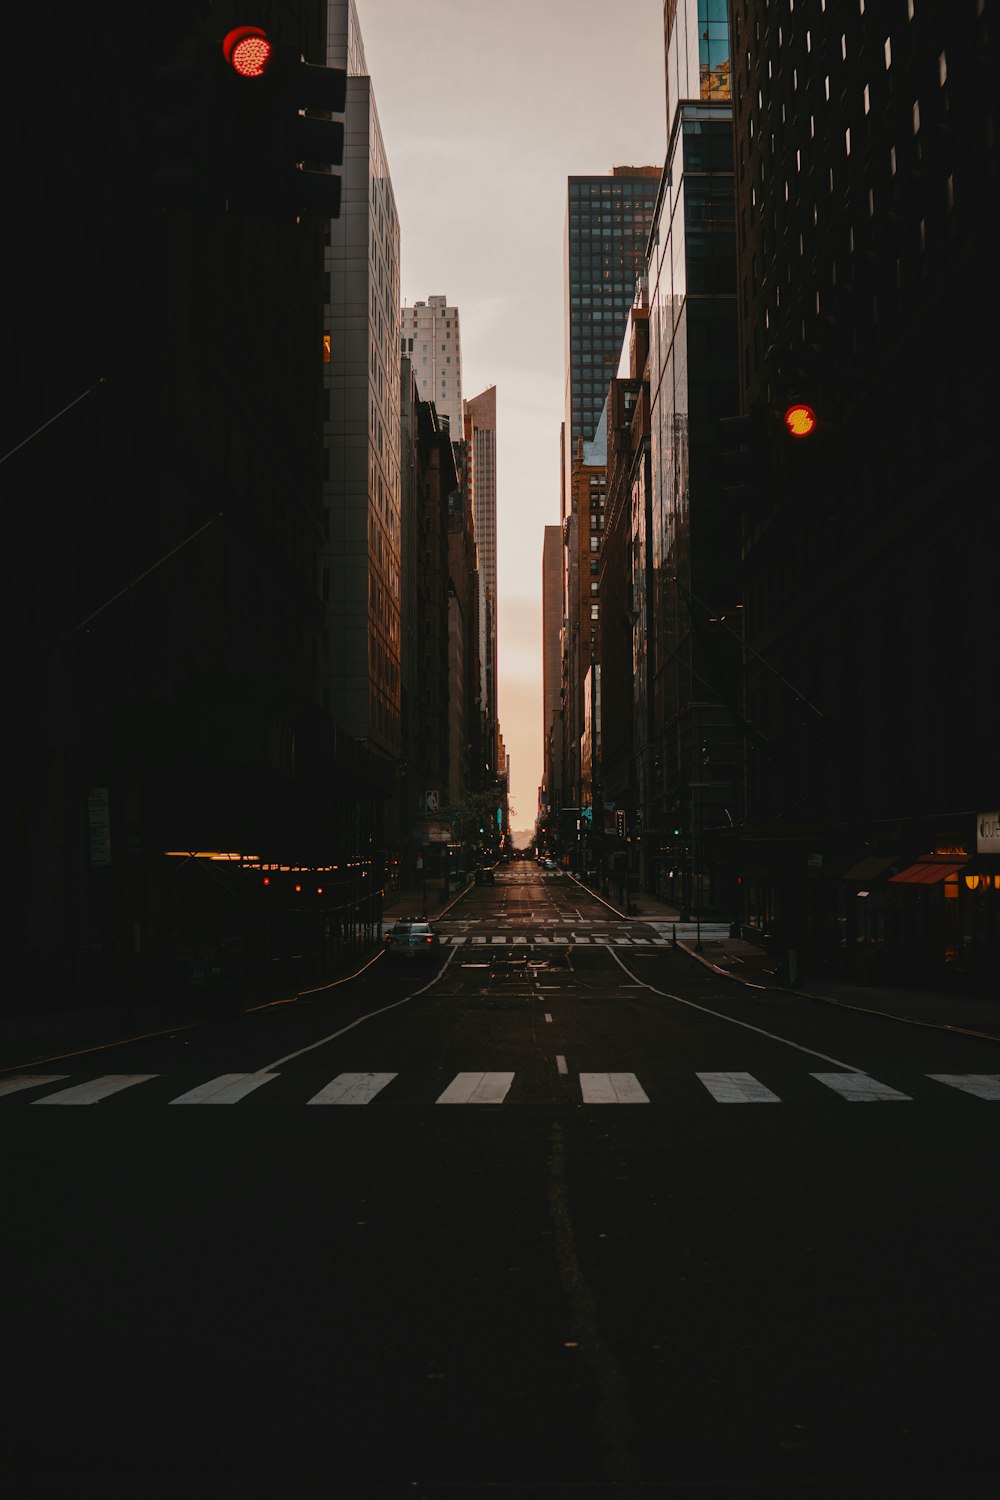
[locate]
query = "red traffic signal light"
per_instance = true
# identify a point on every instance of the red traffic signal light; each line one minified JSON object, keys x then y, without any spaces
{"x":248,"y":51}
{"x":800,"y":420}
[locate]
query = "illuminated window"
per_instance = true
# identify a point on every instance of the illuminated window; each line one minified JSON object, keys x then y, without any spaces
{"x":326,"y":348}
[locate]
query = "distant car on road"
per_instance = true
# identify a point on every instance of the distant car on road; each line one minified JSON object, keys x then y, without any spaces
{"x":485,"y":876}
{"x":411,"y":939}
{"x":549,"y":864}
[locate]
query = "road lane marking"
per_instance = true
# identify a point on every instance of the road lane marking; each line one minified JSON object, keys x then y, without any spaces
{"x":858,"y":1088}
{"x":612,"y":1088}
{"x":561,"y":1066}
{"x":737,"y":1088}
{"x":548,"y":1018}
{"x":228,"y":1088}
{"x":982,"y":1085}
{"x":29,"y":1081}
{"x":360,"y":1020}
{"x":720,"y":1016}
{"x":477,"y":1088}
{"x":96,"y":1089}
{"x":353,"y":1088}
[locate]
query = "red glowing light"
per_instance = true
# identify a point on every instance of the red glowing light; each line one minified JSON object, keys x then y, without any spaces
{"x":800,"y":420}
{"x":248,"y":51}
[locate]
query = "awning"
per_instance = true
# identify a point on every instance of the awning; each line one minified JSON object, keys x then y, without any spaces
{"x":869,"y":869}
{"x":928,"y":872}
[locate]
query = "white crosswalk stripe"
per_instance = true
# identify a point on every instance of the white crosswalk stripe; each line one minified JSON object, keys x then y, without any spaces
{"x":28,"y":1081}
{"x":859,"y":1088}
{"x":737,"y":1088}
{"x":228,"y":1088}
{"x":612,"y":1088}
{"x":477,"y":1088}
{"x":982,"y":1085}
{"x":96,"y":1089}
{"x":353,"y":1088}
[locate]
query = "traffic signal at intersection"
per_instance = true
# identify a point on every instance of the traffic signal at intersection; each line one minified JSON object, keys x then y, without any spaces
{"x":800,"y":421}
{"x":762,"y":451}
{"x":247,"y":126}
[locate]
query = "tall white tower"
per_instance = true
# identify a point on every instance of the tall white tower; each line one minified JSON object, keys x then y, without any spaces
{"x":432,"y":341}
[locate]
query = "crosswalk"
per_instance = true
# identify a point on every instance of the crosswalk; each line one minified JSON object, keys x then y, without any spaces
{"x":489,"y":1087}
{"x":549,"y":940}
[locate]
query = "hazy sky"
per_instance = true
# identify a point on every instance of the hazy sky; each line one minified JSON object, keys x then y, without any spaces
{"x":487,"y":106}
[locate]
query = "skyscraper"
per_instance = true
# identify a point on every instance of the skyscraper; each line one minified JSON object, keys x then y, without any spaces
{"x":691,"y":782}
{"x":867,"y":211}
{"x":607,"y":226}
{"x":432,"y":342}
{"x":360,"y":665}
{"x":481,"y":437}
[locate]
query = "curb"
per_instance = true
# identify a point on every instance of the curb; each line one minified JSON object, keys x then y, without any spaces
{"x":861,"y":1010}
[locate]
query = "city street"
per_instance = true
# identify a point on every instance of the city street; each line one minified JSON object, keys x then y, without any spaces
{"x":603,"y":1271}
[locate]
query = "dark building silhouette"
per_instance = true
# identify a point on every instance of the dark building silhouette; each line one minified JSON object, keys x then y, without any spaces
{"x":867,"y":191}
{"x":691,"y":777}
{"x":626,"y":612}
{"x":429,"y":483}
{"x":162,"y":384}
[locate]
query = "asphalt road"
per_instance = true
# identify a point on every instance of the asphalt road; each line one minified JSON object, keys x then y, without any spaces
{"x":511,"y":1225}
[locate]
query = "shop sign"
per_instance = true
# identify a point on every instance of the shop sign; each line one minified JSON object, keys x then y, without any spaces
{"x":988,"y":833}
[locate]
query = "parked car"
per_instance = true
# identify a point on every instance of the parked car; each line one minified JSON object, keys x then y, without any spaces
{"x":412,"y":938}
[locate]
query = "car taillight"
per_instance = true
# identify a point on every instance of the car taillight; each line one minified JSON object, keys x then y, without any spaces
{"x":428,"y":940}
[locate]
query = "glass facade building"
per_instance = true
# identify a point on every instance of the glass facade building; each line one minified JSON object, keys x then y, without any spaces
{"x":360,"y":661}
{"x":693,"y":779}
{"x":607,"y":226}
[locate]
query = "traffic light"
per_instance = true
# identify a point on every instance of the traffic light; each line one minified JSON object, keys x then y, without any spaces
{"x":800,"y":421}
{"x":805,"y":434}
{"x":231,"y":131}
{"x":278,"y":157}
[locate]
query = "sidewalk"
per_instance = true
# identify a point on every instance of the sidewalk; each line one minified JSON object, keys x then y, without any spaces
{"x":749,"y":964}
{"x":427,"y":900}
{"x":28,"y":1037}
